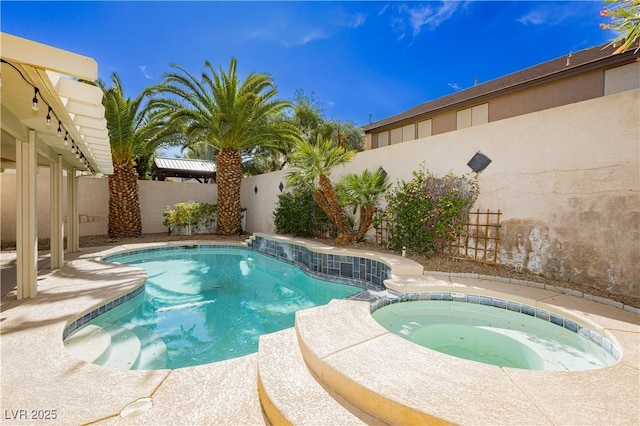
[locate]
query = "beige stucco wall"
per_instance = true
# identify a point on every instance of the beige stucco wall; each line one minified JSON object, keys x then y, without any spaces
{"x":567,"y":180}
{"x":155,"y":196}
{"x":93,"y":205}
{"x":260,"y":205}
{"x":8,"y":204}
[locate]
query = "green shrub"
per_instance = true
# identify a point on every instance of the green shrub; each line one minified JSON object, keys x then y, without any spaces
{"x":427,"y":212}
{"x":298,"y":214}
{"x":193,"y":216}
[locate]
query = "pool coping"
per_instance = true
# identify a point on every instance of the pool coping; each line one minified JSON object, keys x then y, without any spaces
{"x":76,"y":389}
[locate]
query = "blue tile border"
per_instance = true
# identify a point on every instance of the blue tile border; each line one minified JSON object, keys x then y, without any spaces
{"x":126,"y":253}
{"x":358,"y":271}
{"x":566,"y":323}
{"x":81,"y":321}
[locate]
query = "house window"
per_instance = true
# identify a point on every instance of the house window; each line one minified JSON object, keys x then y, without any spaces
{"x":383,"y":139}
{"x":623,"y":78}
{"x":474,"y":116}
{"x":396,"y":136}
{"x":424,"y":128}
{"x":409,"y":132}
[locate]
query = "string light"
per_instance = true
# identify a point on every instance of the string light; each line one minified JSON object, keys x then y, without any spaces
{"x":34,"y":105}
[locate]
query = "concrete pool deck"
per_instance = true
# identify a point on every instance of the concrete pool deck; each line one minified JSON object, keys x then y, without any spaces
{"x":40,"y":376}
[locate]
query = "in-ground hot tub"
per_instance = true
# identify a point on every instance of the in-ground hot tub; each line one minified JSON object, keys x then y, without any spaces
{"x":499,"y":332}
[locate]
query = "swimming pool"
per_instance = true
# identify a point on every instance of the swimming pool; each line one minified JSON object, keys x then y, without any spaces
{"x":497,"y":332}
{"x":200,"y":305}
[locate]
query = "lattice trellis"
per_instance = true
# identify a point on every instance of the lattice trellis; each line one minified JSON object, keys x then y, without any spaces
{"x":479,"y":239}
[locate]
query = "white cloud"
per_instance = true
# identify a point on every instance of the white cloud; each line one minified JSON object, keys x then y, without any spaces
{"x":291,"y":34}
{"x":454,"y":86}
{"x":549,"y":14}
{"x":353,"y":21}
{"x":533,"y":18}
{"x":311,"y":36}
{"x":398,"y":26}
{"x":429,"y":15}
{"x":143,"y":70}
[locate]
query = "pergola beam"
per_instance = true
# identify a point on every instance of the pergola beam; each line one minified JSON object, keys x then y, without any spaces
{"x":16,"y":49}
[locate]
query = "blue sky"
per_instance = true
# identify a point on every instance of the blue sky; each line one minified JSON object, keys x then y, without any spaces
{"x":362,"y":60}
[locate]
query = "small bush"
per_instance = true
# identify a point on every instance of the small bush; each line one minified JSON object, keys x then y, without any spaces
{"x":193,"y":216}
{"x":298,"y":214}
{"x":427,"y":212}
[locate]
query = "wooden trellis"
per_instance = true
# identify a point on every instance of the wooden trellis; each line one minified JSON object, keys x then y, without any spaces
{"x":381,"y":228}
{"x":479,"y":239}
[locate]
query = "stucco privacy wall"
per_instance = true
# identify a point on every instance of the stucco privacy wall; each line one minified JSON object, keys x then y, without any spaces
{"x":93,"y":203}
{"x":567,"y":180}
{"x":8,"y":204}
{"x":154,"y":198}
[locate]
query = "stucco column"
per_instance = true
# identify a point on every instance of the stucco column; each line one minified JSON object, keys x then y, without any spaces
{"x":57,"y":244}
{"x":73,"y":236}
{"x":26,"y":218}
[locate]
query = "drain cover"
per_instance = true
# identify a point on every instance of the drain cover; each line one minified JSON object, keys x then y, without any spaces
{"x":136,"y":408}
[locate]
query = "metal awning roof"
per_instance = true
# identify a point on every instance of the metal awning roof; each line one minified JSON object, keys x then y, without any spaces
{"x":184,"y":168}
{"x":187,"y":164}
{"x":72,"y":105}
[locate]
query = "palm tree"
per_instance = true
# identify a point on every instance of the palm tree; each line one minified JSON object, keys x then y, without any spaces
{"x":313,"y":164}
{"x":343,"y":133}
{"x":134,"y":133}
{"x":625,"y":20}
{"x":230,"y":116}
{"x":362,"y":191}
{"x":308,"y":115}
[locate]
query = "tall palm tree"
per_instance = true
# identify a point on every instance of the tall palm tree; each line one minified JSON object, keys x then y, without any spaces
{"x":363,"y":191}
{"x":134,"y":132}
{"x":312,"y":166}
{"x":232,"y":117}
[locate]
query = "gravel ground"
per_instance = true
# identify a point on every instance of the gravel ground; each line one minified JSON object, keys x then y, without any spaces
{"x":437,"y":262}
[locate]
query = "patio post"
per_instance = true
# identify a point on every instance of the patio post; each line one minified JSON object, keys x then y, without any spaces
{"x":57,"y":243}
{"x":26,"y":217}
{"x":73,"y":237}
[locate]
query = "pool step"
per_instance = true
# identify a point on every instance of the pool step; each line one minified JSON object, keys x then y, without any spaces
{"x":362,"y":362}
{"x":123,"y":351}
{"x":290,"y":394}
{"x":88,"y":343}
{"x":153,"y":353}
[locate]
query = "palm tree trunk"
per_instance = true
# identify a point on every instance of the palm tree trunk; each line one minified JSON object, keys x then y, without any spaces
{"x":366,"y":218}
{"x":229,"y":178}
{"x":124,"y":202}
{"x":333,"y":209}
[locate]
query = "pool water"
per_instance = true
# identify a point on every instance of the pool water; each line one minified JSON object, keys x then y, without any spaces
{"x":492,"y":336}
{"x":212,"y":304}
